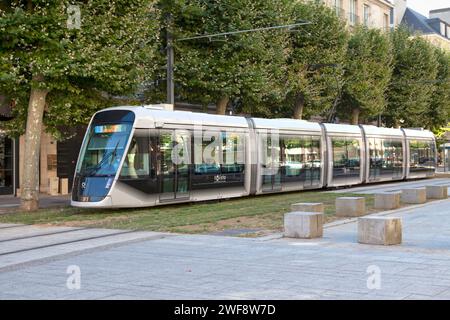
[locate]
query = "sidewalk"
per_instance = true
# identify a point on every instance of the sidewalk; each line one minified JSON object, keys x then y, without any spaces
{"x":9,"y":203}
{"x":217,"y":267}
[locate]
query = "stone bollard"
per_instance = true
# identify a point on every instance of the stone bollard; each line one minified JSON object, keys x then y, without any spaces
{"x":387,"y":200}
{"x":307,"y":207}
{"x":437,"y":192}
{"x":414,"y":195}
{"x":64,"y":185}
{"x":305,"y":225}
{"x":350,"y":206}
{"x":380,"y":230}
{"x":53,"y":186}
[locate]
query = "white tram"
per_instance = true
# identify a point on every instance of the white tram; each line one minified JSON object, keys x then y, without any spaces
{"x":139,"y":157}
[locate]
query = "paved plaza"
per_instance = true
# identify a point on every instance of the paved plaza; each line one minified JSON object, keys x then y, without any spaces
{"x":117,"y":264}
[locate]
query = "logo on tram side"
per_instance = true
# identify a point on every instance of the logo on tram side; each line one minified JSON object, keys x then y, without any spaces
{"x":220,"y":178}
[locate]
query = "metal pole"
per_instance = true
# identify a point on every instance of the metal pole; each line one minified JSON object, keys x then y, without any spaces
{"x":170,"y":54}
{"x":170,"y":63}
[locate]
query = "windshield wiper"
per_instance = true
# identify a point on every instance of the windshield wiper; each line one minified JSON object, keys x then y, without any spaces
{"x":103,"y":161}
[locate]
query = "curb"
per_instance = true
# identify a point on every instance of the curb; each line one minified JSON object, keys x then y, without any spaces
{"x":382,"y":213}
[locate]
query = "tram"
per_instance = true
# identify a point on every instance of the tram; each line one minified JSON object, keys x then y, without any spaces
{"x":142,"y":156}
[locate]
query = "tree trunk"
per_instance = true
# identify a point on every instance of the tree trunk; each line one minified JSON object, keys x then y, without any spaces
{"x":355,"y":116}
{"x":298,"y":106}
{"x":30,"y":178}
{"x":221,"y":106}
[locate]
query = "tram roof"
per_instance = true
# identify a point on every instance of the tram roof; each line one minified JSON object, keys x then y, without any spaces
{"x":286,"y":124}
{"x":413,"y":133}
{"x":381,"y":131}
{"x":342,"y":128}
{"x":150,"y":118}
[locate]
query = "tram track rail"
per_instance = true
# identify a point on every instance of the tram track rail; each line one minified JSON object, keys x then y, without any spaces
{"x":15,"y":226}
{"x":41,"y":235}
{"x":65,"y":243}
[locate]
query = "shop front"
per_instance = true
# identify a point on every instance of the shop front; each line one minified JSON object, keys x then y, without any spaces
{"x":8,"y":165}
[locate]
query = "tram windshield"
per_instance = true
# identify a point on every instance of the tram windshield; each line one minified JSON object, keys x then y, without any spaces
{"x":103,"y":149}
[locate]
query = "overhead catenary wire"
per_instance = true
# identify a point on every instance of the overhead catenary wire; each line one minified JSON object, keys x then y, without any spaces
{"x":288,"y":26}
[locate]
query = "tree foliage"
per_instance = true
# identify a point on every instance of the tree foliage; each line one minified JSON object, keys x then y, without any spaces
{"x":438,"y":113}
{"x":83,"y":69}
{"x":316,"y":60}
{"x":367,"y":73}
{"x":413,"y":82}
{"x":245,"y":65}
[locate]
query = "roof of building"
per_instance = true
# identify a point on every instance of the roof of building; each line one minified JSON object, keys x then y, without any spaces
{"x":417,"y":22}
{"x":440,"y":10}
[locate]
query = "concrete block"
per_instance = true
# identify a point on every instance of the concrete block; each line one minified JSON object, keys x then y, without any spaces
{"x":304,"y":225}
{"x":350,"y":206}
{"x":53,"y":186}
{"x":307,"y":207}
{"x":380,"y":230}
{"x":414,"y":195}
{"x":437,"y":192}
{"x":387,"y":200}
{"x":64,"y":185}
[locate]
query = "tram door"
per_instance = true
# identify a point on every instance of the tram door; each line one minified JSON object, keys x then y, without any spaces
{"x":174,"y":157}
{"x":271,"y":166}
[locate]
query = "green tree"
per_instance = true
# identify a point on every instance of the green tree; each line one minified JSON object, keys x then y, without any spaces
{"x":413,"y":80}
{"x":367,"y":73}
{"x":243,"y":66}
{"x":438,"y":112}
{"x":60,"y":64}
{"x":316,"y":61}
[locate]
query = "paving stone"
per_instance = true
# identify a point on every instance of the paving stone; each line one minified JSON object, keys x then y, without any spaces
{"x":215,"y":267}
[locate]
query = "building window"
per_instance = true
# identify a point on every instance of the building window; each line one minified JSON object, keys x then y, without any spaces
{"x":443,"y":29}
{"x":338,"y":7}
{"x":385,"y":22}
{"x":353,"y":18}
{"x":366,"y":13}
{"x":391,"y":16}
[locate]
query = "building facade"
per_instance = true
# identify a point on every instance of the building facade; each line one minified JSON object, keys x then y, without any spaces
{"x":371,"y":13}
{"x":9,"y":171}
{"x":57,"y":159}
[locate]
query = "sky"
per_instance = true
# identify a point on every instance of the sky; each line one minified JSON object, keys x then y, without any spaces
{"x":424,"y":6}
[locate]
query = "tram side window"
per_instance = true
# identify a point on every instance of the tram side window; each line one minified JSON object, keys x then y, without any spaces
{"x":293,"y":157}
{"x":233,"y":145}
{"x":346,"y":158}
{"x":221,"y":162}
{"x":386,"y":158}
{"x":389,"y":156}
{"x":397,"y":150}
{"x":315,"y":158}
{"x":210,"y":157}
{"x":300,"y":159}
{"x":137,"y":162}
{"x":375,"y":157}
{"x":422,"y":156}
